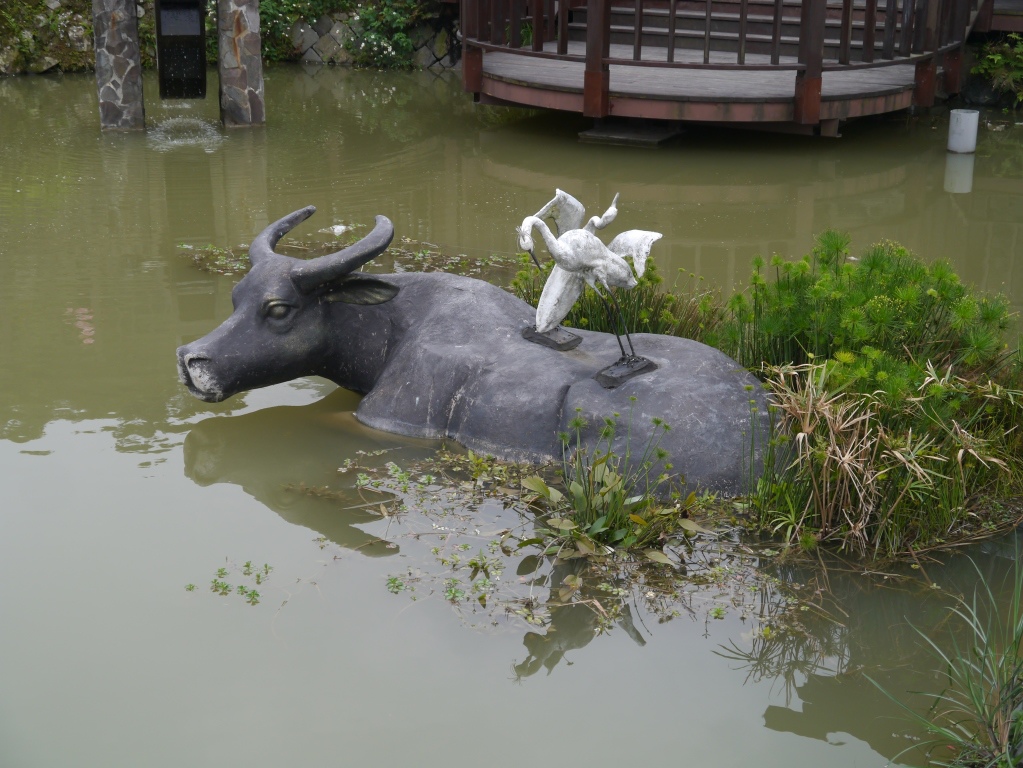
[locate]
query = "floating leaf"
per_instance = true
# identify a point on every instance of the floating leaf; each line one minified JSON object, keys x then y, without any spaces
{"x":638,"y":520}
{"x":689,"y":526}
{"x":561,"y":524}
{"x":657,"y":556}
{"x":529,"y":542}
{"x":585,"y":545}
{"x":536,"y":485}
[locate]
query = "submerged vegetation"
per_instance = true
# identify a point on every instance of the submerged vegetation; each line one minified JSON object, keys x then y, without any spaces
{"x":478,"y":535}
{"x":404,"y":254}
{"x":896,"y":393}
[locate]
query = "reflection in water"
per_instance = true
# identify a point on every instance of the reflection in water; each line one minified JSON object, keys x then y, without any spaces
{"x":572,"y":626}
{"x":958,"y":173}
{"x":270,"y":452}
{"x":868,"y":625}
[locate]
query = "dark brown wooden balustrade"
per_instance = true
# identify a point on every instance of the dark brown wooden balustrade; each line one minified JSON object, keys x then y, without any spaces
{"x":809,"y":38}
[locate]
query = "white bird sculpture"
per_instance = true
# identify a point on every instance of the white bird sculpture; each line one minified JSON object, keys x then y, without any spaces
{"x":582,"y":259}
{"x":568,"y":213}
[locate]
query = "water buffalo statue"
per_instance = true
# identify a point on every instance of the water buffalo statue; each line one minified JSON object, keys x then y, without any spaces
{"x":442,"y":356}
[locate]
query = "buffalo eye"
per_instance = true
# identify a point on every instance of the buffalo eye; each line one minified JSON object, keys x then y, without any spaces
{"x":278,"y":310}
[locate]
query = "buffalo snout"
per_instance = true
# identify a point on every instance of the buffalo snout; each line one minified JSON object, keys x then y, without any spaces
{"x":197,"y":373}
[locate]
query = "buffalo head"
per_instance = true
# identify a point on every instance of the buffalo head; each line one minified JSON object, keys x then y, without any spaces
{"x":280,"y":328}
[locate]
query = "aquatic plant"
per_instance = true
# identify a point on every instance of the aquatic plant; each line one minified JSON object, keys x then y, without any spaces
{"x":895,"y":399}
{"x":219,"y":586}
{"x":980,"y":711}
{"x":881,"y":317}
{"x":611,"y":500}
{"x":880,"y":479}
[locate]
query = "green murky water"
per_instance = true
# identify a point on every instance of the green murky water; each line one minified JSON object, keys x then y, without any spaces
{"x":118,"y":488}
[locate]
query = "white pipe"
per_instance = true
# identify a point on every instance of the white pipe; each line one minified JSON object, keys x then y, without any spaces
{"x":962,"y":131}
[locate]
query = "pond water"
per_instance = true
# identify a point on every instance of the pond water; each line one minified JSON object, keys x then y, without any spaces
{"x":119,"y":489}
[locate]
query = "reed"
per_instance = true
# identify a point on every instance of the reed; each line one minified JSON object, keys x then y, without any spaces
{"x":979,"y":713}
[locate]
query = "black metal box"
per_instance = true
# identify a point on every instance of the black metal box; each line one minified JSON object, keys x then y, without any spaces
{"x":181,"y":48}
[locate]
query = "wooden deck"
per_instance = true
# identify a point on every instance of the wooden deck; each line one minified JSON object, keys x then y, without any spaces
{"x":714,"y":95}
{"x":802,"y":65}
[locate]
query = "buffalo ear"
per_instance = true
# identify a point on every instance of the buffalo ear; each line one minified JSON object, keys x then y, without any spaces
{"x":360,"y":290}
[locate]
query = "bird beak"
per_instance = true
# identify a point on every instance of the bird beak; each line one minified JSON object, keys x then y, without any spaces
{"x":533,"y":257}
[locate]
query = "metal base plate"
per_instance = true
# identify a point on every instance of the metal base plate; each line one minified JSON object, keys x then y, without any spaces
{"x":625,"y":369}
{"x":558,"y":338}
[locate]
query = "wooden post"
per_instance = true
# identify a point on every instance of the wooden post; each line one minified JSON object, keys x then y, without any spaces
{"x":597,"y":76}
{"x":472,"y":68}
{"x":812,"y":17}
{"x":953,"y":64}
{"x":118,"y":66}
{"x":870,"y":27}
{"x":954,"y":70}
{"x":538,"y":24}
{"x":923,"y":91}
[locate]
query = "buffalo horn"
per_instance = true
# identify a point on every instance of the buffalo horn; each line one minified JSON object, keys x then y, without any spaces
{"x":263,"y":246}
{"x":309,"y":275}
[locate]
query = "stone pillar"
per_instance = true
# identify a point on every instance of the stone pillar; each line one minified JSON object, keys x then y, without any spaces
{"x":241,"y":68}
{"x":118,"y":66}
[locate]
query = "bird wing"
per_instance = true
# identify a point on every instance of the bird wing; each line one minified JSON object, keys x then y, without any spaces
{"x":636,"y":244}
{"x":599,"y":222}
{"x":560,"y":293}
{"x":567,"y":212}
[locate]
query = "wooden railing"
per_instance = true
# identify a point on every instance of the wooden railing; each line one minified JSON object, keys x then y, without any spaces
{"x":809,"y":37}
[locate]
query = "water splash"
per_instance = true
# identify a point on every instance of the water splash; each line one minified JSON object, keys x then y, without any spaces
{"x":175,"y":132}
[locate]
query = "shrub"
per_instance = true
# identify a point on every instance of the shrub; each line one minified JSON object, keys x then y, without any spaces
{"x":880,"y":318}
{"x":1002,"y":63}
{"x":895,"y":394}
{"x":384,"y":27}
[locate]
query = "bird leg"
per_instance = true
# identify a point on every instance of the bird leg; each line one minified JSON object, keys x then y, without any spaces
{"x":624,"y":326}
{"x":611,"y":317}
